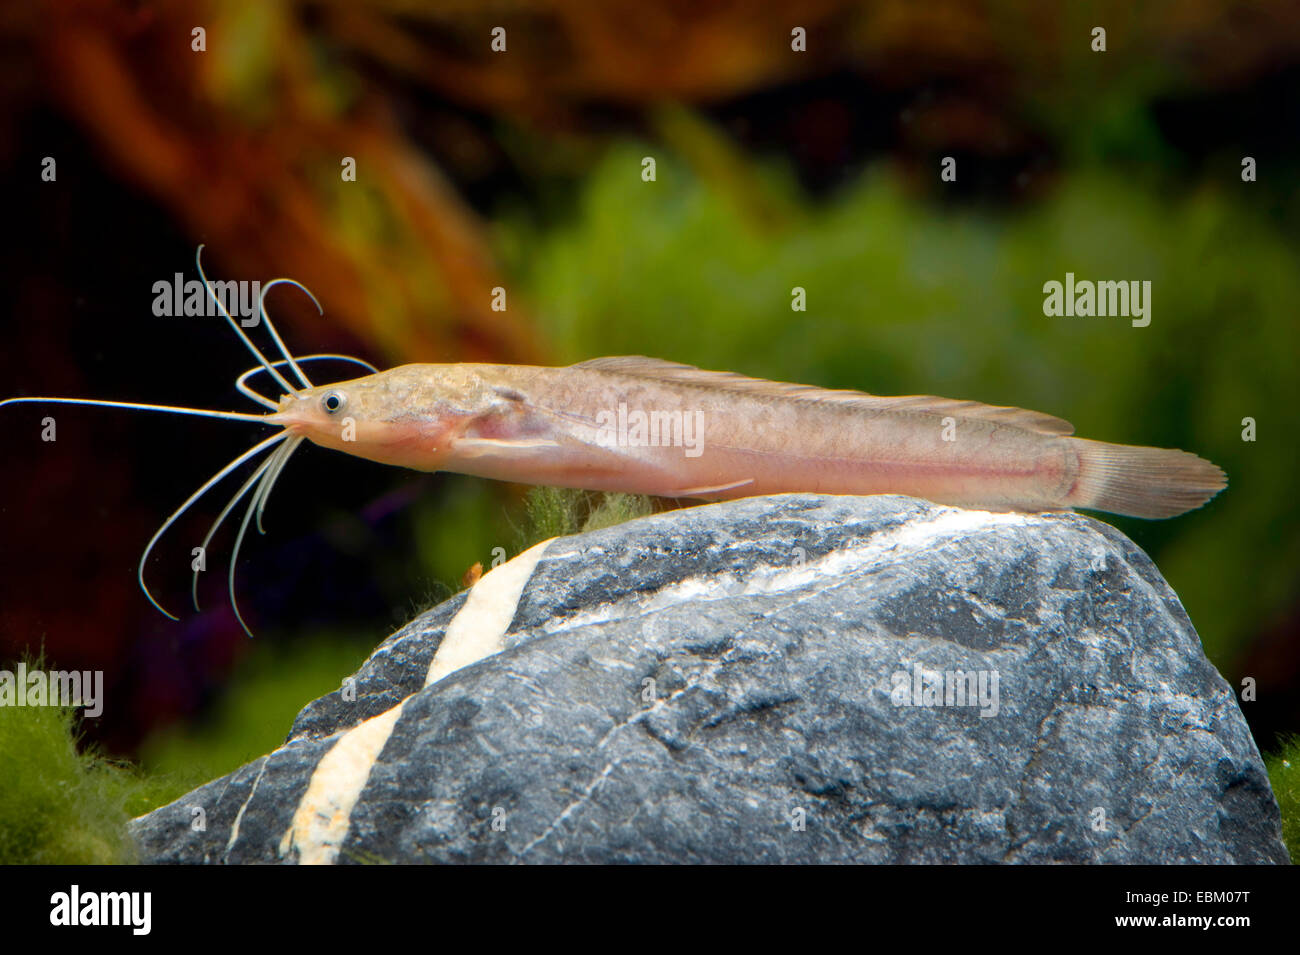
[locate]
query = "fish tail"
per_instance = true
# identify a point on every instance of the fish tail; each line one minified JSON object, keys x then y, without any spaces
{"x":1141,"y":482}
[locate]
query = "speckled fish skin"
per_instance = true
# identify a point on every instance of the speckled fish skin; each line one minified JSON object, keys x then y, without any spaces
{"x":559,"y":426}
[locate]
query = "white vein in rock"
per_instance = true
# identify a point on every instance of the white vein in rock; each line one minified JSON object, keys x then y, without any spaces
{"x":479,"y":629}
{"x":884,"y":547}
{"x":324,"y":814}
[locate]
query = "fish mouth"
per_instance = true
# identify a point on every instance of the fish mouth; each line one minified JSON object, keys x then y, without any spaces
{"x":295,"y":423}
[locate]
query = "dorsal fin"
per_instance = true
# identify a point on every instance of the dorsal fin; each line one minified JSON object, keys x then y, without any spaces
{"x":639,"y":366}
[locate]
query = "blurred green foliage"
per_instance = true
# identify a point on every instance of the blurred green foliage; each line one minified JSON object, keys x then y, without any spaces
{"x":556,"y":512}
{"x":1284,"y":776}
{"x":470,"y":521}
{"x":905,"y":296}
{"x":63,"y":803}
{"x":59,"y":806}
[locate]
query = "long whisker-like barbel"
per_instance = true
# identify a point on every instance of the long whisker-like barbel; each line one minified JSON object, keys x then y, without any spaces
{"x":212,"y":481}
{"x":268,"y":471}
{"x":241,"y":383}
{"x":230,"y":506}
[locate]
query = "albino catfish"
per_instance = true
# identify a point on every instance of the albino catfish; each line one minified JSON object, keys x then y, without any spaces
{"x":648,"y":426}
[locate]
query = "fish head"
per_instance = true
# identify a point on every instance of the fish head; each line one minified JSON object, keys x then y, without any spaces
{"x":405,"y":416}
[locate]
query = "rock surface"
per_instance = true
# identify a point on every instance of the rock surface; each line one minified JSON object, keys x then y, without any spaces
{"x":727,"y":684}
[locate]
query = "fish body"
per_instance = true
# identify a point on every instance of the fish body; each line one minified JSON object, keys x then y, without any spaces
{"x":648,"y":426}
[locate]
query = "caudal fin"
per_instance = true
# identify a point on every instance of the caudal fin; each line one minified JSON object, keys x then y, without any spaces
{"x":1142,"y":482}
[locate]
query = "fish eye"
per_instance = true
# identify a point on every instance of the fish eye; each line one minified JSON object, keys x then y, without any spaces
{"x":333,"y":401}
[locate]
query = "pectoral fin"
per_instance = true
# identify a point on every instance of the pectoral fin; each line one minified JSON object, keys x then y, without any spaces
{"x":474,"y":447}
{"x":708,"y":491}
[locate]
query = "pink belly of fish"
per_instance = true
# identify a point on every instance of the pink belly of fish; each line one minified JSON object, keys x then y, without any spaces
{"x":991,"y":481}
{"x":1001,"y":469}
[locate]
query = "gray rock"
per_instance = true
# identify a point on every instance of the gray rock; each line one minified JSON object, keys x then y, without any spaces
{"x":726,"y":684}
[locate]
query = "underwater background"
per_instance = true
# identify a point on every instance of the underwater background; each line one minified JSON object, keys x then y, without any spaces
{"x":522,"y":170}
